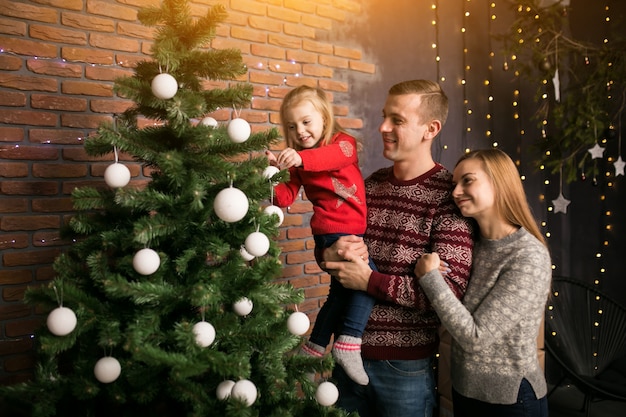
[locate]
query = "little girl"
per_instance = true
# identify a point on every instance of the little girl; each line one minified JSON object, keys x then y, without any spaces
{"x":323,"y":159}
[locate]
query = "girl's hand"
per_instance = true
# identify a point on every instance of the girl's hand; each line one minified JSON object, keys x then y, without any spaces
{"x":271,"y":158}
{"x":426,"y":263}
{"x":289,"y":158}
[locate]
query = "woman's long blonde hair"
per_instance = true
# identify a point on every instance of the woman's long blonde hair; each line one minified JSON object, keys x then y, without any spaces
{"x":510,"y":197}
{"x":317,"y":97}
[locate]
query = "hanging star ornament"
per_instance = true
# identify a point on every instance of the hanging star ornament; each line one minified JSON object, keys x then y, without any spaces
{"x":560,"y":204}
{"x":619,"y":166}
{"x":596,"y":152}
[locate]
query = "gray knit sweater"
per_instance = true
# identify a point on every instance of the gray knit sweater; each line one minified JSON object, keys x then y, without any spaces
{"x":495,"y":327}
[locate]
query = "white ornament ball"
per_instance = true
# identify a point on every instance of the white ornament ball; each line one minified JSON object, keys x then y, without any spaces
{"x":231,"y":204}
{"x":245,"y":255}
{"x":257,"y":244}
{"x":61,"y":321}
{"x":238,"y":130}
{"x":327,"y":393}
{"x":204,"y":333}
{"x":146,"y":261}
{"x":298,"y":323}
{"x":224,"y":389}
{"x":270,"y":171}
{"x":269,"y":210}
{"x":164,"y":86}
{"x":245,"y":390}
{"x":107,"y":369}
{"x":243,"y":306}
{"x":117,"y":175}
{"x":209,"y":121}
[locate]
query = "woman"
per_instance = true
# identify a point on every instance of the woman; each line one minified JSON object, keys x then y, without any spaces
{"x":495,"y":368}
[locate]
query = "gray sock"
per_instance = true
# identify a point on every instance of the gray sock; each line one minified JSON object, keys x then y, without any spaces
{"x":311,"y":349}
{"x":347,"y":353}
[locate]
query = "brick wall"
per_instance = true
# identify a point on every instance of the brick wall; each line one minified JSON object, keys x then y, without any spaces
{"x":58,"y":59}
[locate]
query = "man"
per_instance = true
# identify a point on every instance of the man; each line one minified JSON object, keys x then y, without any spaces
{"x":410,"y":212}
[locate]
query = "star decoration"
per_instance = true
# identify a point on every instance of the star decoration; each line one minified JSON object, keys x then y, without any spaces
{"x":619,"y":166}
{"x":596,"y":152}
{"x":344,"y":192}
{"x":560,"y":204}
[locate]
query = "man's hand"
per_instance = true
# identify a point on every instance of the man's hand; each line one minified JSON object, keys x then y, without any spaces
{"x":353,"y":271}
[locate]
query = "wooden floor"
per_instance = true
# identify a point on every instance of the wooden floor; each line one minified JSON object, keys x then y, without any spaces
{"x":567,"y":401}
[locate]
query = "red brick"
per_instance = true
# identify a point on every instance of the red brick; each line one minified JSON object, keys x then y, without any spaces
{"x":110,"y":106}
{"x":248,"y":6}
{"x":57,"y":136}
{"x":42,"y":256}
{"x":334,"y":85}
{"x":266,"y":104}
{"x":12,"y":223}
{"x":28,"y":47}
{"x":317,"y":71}
{"x":362,"y":67}
{"x":106,"y":41}
{"x":248,"y":34}
{"x":135,"y":30}
{"x":11,"y":134}
{"x":22,"y":328}
{"x":105,"y":8}
{"x":52,"y":205}
{"x":13,"y":346}
{"x":319,"y":47}
{"x":54,"y":68}
{"x":64,"y":170}
{"x":87,"y":22}
{"x":268,"y":51}
{"x":26,"y":117}
{"x":263,"y":23}
{"x":349,"y":123}
{"x":14,"y":241}
{"x":48,"y":239}
{"x":13,"y":311}
{"x":12,"y":27}
{"x":85,"y":121}
{"x":28,"y":152}
{"x":42,"y":101}
{"x":13,"y":293}
{"x":28,"y":188}
{"x":9,"y":63}
{"x":105,"y":73}
{"x":13,"y":170}
{"x":88,"y":55}
{"x":27,"y":83}
{"x":34,"y":13}
{"x":55,"y":34}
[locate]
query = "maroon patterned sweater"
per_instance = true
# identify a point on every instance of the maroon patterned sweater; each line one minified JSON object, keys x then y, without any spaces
{"x":404,"y":220}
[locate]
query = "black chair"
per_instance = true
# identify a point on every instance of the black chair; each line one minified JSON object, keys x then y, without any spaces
{"x":586,"y":336}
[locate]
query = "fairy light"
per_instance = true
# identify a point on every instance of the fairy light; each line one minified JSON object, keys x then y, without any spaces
{"x":487,"y":82}
{"x":468,"y":111}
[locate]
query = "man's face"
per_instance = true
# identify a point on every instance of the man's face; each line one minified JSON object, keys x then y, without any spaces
{"x":402,"y":130}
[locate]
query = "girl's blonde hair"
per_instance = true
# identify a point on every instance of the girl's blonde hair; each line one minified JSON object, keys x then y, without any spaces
{"x":317,"y":97}
{"x":510,"y":197}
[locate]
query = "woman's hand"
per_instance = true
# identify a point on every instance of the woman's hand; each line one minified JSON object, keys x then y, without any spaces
{"x":426,"y":263}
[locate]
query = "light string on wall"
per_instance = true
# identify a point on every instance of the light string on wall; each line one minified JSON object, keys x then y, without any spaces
{"x":488,"y":82}
{"x":441,"y":78}
{"x":467,"y":110}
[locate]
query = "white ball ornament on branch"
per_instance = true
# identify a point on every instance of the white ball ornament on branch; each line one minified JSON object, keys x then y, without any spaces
{"x":272,"y":209}
{"x":204,"y":333}
{"x":61,"y":321}
{"x":117,"y":175}
{"x":224,"y":389}
{"x":243,"y":306}
{"x":107,"y":369}
{"x":298,"y":323}
{"x":327,"y":394}
{"x":270,"y":171}
{"x":257,"y":244}
{"x":245,"y":254}
{"x":209,"y":121}
{"x":238,"y":130}
{"x":164,"y":86}
{"x":244,"y":390}
{"x":146,"y":261}
{"x":231,"y":204}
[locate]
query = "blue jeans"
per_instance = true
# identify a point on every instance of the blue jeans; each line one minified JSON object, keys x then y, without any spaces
{"x":398,"y":388}
{"x":527,"y":405}
{"x":345,"y":311}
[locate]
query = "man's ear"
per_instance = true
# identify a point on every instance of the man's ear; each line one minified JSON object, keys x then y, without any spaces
{"x":434,"y":127}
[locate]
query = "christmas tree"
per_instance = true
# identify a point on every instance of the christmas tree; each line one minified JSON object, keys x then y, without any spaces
{"x":166,"y":304}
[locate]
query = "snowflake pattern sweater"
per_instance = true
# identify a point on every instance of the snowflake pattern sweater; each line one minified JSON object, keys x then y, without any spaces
{"x":495,"y":328}
{"x":406,"y":219}
{"x":333,"y":182}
